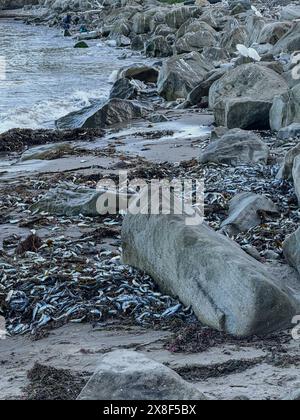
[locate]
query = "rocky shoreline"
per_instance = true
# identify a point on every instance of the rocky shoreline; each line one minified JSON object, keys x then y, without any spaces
{"x":61,"y":262}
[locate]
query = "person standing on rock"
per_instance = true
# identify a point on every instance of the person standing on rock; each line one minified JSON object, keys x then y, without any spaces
{"x":67,"y":22}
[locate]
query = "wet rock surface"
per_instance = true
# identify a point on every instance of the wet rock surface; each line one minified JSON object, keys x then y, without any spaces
{"x":58,"y":267}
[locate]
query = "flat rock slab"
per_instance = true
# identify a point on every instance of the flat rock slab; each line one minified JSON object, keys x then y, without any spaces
{"x":228,"y":290}
{"x":128,"y":375}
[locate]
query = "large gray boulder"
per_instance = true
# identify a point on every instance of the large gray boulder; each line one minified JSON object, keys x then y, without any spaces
{"x":228,"y":290}
{"x":158,"y":47}
{"x":272,"y":32}
{"x":245,"y":212}
{"x":115,"y":111}
{"x":180,"y":74}
{"x":197,"y":36}
{"x":179,"y":15}
{"x":244,"y":96}
{"x":236,"y":147}
{"x":290,"y":42}
{"x":285,"y":109}
{"x":128,"y":375}
{"x":291,"y":250}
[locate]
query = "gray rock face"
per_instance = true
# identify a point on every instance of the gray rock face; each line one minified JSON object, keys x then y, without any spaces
{"x":123,"y":89}
{"x":68,"y":199}
{"x":128,"y":375}
{"x":285,"y":109}
{"x":179,"y":15}
{"x":232,"y":37}
{"x":202,"y":90}
{"x":244,"y":96}
{"x":290,"y":42}
{"x":158,"y":47}
{"x":273,"y":32}
{"x":291,"y":249}
{"x":216,"y":55}
{"x":180,"y":74}
{"x":236,"y":147}
{"x":244,"y":212}
{"x":196,"y":37}
{"x":115,"y":111}
{"x":228,"y":290}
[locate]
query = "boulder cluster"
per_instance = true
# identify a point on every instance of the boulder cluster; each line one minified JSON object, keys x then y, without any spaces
{"x":240,"y":60}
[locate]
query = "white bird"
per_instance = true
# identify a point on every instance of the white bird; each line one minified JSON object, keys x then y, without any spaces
{"x":243,"y":50}
{"x":248,"y":52}
{"x":254,"y":54}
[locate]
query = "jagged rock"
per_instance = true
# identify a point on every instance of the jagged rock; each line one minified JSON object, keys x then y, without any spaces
{"x":291,"y":249}
{"x":215,"y":17}
{"x":180,"y":74}
{"x":232,"y":36}
{"x":285,"y":109}
{"x":114,"y":111}
{"x":123,"y":89}
{"x":239,"y":6}
{"x":197,"y":36}
{"x":273,"y":32}
{"x":163,"y":30}
{"x":245,"y":211}
{"x":202,"y":90}
{"x":215,"y":55}
{"x":244,"y":96}
{"x":236,"y":147}
{"x":158,"y":47}
{"x":141,"y":23}
{"x":138,"y":42}
{"x":290,"y":42}
{"x":128,"y":375}
{"x":68,"y":199}
{"x":254,"y":27}
{"x":179,"y":15}
{"x":228,"y":290}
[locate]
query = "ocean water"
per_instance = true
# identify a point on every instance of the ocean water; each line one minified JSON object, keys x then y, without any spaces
{"x":43,"y":77}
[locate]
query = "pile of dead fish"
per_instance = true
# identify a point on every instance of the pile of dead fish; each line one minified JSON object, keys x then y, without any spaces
{"x":46,"y":291}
